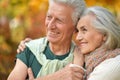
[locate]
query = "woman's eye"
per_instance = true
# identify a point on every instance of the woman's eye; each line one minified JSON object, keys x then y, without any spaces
{"x":49,"y":17}
{"x":76,"y":30}
{"x":83,"y":28}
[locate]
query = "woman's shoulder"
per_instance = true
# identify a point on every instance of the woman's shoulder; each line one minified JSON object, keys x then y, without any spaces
{"x":111,"y":60}
{"x":107,"y":70}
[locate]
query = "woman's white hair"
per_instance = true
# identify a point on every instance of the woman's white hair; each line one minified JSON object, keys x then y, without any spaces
{"x":78,"y":5}
{"x":107,"y":24}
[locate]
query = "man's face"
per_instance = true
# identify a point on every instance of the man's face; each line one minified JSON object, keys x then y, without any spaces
{"x":59,"y":23}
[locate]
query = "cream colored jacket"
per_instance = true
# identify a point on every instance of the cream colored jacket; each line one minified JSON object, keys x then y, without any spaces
{"x":107,"y":70}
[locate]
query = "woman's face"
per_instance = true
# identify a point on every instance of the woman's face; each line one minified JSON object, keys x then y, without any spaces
{"x":88,"y":37}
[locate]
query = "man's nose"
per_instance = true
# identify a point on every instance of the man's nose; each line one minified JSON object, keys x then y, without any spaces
{"x":51,"y":23}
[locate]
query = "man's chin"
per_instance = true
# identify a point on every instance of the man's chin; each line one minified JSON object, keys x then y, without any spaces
{"x":51,"y":39}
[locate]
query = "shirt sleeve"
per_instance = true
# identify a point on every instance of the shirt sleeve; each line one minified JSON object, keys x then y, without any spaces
{"x":107,"y":70}
{"x":24,"y":56}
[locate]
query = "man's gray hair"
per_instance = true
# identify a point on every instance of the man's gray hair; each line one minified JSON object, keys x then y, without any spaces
{"x":107,"y":24}
{"x":78,"y":5}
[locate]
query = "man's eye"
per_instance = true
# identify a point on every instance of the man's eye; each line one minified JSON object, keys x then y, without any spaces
{"x":59,"y":21}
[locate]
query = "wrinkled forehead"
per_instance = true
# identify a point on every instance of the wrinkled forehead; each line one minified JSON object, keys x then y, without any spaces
{"x":60,"y":4}
{"x":60,"y":9}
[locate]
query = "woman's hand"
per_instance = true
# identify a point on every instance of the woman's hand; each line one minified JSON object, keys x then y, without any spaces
{"x":78,"y":57}
{"x":22,"y":46}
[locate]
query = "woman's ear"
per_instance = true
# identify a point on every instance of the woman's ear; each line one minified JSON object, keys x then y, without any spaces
{"x":104,"y":38}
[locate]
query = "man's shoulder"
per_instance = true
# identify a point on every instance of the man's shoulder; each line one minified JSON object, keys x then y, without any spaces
{"x":38,"y":41}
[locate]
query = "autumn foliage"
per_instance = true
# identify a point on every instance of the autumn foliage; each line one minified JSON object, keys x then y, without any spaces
{"x":25,"y":18}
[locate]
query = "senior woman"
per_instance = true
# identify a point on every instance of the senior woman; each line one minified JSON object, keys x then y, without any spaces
{"x":99,"y":40}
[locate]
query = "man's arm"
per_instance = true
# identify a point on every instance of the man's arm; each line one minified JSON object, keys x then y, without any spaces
{"x":67,"y":73}
{"x":19,"y":72}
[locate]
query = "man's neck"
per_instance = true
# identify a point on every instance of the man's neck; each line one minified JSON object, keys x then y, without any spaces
{"x":60,"y":49}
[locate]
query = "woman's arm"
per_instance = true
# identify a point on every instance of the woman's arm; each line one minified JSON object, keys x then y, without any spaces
{"x":78,"y":57}
{"x":22,"y":46}
{"x":107,"y":70}
{"x":19,"y":72}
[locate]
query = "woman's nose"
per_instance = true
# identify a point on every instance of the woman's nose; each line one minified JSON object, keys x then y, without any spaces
{"x":79,"y":36}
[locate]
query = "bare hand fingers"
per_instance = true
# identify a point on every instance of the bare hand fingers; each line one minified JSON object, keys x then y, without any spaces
{"x":78,"y":71}
{"x":30,"y":74}
{"x":27,"y":39}
{"x":22,"y":46}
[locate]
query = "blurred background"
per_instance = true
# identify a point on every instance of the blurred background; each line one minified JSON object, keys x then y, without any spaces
{"x":25,"y":18}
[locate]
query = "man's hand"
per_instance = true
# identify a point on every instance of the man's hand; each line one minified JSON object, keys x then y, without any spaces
{"x":67,"y":73}
{"x":72,"y":73}
{"x":30,"y":74}
{"x":22,"y":46}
